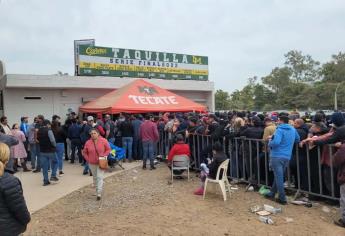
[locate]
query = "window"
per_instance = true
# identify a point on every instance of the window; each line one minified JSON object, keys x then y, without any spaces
{"x":32,"y":98}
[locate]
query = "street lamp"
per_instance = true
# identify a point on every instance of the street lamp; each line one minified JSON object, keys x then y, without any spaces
{"x":335,"y":97}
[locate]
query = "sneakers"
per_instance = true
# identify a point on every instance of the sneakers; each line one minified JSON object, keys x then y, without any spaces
{"x":144,"y":167}
{"x":36,"y":171}
{"x":199,"y":191}
{"x":54,"y":179}
{"x":46,"y":183}
{"x":61,"y":173}
{"x":152,"y":168}
{"x":340,"y":223}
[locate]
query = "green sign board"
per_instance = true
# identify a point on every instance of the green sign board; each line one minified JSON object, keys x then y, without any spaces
{"x":102,"y":61}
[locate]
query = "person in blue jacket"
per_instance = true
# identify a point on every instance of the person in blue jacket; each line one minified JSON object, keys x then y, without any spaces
{"x":281,"y":145}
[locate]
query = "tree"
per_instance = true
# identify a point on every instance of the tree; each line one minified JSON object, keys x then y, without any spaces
{"x":222,"y":100}
{"x":277,"y":79}
{"x":263,"y":97}
{"x":303,"y":68}
{"x":334,"y":71}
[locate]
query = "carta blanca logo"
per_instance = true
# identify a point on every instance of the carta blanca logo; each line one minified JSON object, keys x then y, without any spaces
{"x":95,"y":51}
{"x":147,"y":90}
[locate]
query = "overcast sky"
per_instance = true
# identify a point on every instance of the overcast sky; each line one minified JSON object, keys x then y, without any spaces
{"x":242,"y":38}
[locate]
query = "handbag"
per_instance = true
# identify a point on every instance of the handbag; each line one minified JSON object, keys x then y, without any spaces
{"x":102,"y":160}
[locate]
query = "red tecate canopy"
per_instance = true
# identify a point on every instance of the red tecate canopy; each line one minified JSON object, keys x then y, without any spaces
{"x":141,"y":96}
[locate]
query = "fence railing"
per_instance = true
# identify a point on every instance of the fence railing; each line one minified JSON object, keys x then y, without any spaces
{"x":310,"y":169}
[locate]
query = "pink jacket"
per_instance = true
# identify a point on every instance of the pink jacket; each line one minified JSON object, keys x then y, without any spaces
{"x":90,"y":153}
{"x":18,"y":151}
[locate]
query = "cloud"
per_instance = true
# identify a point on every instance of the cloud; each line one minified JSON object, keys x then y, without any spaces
{"x":241,"y":38}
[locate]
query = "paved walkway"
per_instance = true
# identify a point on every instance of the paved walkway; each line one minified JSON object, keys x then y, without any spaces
{"x":38,"y":196}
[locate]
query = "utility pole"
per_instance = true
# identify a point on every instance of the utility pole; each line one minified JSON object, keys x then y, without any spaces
{"x":335,"y":97}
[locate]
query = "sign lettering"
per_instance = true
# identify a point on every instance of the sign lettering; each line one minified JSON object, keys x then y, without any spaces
{"x":120,"y":62}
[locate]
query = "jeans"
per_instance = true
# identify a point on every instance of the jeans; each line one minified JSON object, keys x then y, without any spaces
{"x":127,"y":145}
{"x":155,"y":149}
{"x":35,"y":153}
{"x":137,"y":149}
{"x":278,"y":166}
{"x":148,"y":152}
{"x":67,"y":149}
{"x":342,"y":202}
{"x":47,"y":158}
{"x":76,"y":144}
{"x":98,"y":176}
{"x":86,"y":167}
{"x":10,"y":164}
{"x":60,"y":148}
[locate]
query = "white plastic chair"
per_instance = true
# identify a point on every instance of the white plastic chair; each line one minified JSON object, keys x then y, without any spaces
{"x":222,"y":180}
{"x":179,"y":162}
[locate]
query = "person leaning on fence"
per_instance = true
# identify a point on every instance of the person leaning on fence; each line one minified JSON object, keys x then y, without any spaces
{"x":281,"y":145}
{"x":179,"y":148}
{"x":210,"y":169}
{"x":339,"y":163}
{"x":14,"y":214}
{"x":94,"y":148}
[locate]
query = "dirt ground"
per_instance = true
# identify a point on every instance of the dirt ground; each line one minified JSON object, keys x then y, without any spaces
{"x":141,"y":202}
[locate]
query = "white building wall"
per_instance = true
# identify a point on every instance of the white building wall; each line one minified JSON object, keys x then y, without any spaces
{"x":58,"y":101}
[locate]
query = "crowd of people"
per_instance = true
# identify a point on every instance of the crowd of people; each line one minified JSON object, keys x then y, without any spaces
{"x":283,"y":137}
{"x":300,"y":144}
{"x":48,"y":143}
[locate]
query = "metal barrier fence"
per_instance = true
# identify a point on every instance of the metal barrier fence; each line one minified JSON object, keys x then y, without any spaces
{"x":310,"y":169}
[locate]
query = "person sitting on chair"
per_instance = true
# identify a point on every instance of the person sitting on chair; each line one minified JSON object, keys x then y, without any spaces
{"x":210,"y":169}
{"x":179,"y":148}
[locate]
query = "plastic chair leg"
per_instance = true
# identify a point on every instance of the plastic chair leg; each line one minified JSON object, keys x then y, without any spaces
{"x":222,"y":187}
{"x":228,"y":186}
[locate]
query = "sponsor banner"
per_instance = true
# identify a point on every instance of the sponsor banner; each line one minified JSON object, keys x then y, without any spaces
{"x":101,"y":61}
{"x":77,"y":43}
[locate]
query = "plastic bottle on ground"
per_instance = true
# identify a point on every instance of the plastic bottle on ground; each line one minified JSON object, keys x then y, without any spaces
{"x":266,"y":220}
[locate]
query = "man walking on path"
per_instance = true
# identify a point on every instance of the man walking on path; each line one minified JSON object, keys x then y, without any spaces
{"x":149,"y":135}
{"x":47,"y":144}
{"x":281,"y":145}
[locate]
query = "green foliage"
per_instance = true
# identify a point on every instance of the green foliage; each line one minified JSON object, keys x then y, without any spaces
{"x":222,"y":100}
{"x":302,"y":67}
{"x":301,"y":84}
{"x":334,"y":71}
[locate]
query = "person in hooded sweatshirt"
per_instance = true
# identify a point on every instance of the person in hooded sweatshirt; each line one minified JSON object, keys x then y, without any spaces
{"x":299,"y":163}
{"x":281,"y":145}
{"x":338,"y":122}
{"x":255,"y":130}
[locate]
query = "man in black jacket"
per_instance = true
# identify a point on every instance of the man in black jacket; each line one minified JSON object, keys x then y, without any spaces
{"x":302,"y":130}
{"x":215,"y":132}
{"x":47,"y":144}
{"x":253,"y":148}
